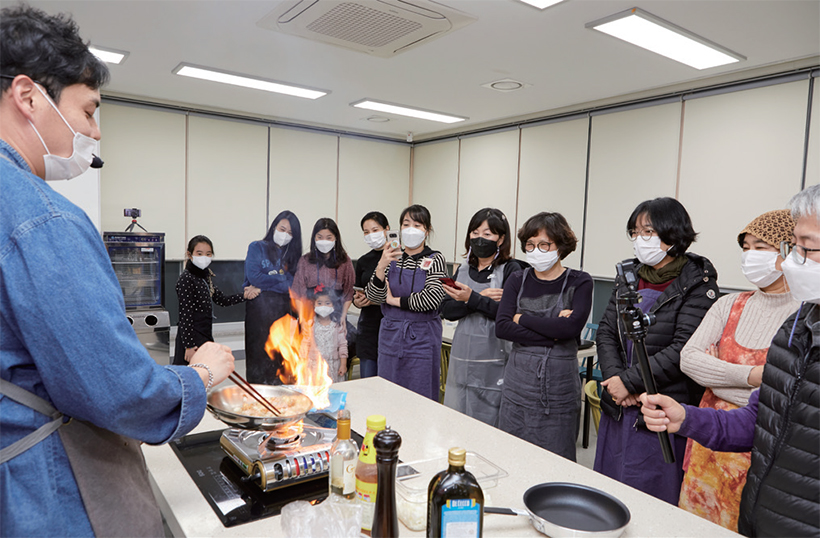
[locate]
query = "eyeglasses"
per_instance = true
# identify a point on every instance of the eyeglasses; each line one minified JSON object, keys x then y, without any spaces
{"x":800,"y":252}
{"x":646,"y":234}
{"x":543,"y":246}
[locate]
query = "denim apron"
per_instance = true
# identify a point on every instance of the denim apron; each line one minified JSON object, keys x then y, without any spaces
{"x":541,"y":394}
{"x":477,"y":359}
{"x":410,"y":341}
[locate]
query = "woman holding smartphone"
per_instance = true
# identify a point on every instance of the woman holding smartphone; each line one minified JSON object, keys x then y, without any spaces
{"x":406,"y":284}
{"x":478,"y":357}
{"x":374,"y":227}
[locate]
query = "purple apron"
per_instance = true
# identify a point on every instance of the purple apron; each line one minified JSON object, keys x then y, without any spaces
{"x":632,"y":455}
{"x":410,"y":341}
{"x":541,"y":394}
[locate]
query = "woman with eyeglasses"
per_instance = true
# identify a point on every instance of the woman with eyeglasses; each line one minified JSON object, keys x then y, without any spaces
{"x":543,"y":310}
{"x":726,"y":354}
{"x":678,"y":288}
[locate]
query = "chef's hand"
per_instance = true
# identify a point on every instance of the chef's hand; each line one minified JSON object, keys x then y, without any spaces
{"x":516,"y":318}
{"x":668,"y":418}
{"x":616,"y":388}
{"x":218,"y":358}
{"x":461,"y":292}
{"x":189,"y":352}
{"x":360,"y":300}
{"x":392,"y":301}
{"x":492,"y":293}
{"x":564,"y":313}
{"x":251,"y":292}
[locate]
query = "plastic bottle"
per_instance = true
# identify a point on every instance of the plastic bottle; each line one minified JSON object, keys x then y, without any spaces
{"x":367,"y":473}
{"x":343,"y":456}
{"x":455,"y":502}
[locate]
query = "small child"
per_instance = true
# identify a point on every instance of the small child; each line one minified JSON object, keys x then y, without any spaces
{"x":328,"y":335}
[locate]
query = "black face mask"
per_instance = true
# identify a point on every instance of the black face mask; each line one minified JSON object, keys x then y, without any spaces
{"x":483,"y":247}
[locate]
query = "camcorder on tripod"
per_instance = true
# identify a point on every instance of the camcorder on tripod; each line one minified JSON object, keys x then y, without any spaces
{"x":636,"y":323}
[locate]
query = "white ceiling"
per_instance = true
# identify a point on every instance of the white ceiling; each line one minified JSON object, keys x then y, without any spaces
{"x":567,"y":65}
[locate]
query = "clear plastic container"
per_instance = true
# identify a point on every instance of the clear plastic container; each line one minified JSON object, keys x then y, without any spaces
{"x":413,"y":478}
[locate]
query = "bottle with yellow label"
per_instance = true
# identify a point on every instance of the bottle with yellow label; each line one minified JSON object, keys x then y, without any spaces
{"x":367,"y":472}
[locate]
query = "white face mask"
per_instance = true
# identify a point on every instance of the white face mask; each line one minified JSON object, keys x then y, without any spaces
{"x":375,"y":240}
{"x":201,"y":261}
{"x":412,"y":237}
{"x":759,"y":267}
{"x":649,"y":252}
{"x":542,"y":261}
{"x":325,"y":246}
{"x":323,"y":311}
{"x":58,"y":168}
{"x":282,"y":238}
{"x":803,"y":280}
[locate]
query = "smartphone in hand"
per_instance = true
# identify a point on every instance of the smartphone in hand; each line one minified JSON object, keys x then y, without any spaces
{"x":448,"y":282}
{"x":393,"y":239}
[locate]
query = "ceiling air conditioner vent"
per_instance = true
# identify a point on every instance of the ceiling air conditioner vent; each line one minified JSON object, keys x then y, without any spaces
{"x":378,"y":27}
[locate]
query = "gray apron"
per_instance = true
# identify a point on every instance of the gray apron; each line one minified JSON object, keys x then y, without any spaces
{"x":477,"y":359}
{"x":109,"y":470}
{"x":541,"y":394}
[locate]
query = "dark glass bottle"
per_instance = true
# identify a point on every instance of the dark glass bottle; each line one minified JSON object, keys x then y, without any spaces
{"x":455,"y":502}
{"x":385,"y":517}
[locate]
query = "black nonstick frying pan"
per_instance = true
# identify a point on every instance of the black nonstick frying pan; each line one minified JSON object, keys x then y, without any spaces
{"x":560,"y":509}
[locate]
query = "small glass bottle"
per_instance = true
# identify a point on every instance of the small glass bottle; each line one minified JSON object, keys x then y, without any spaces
{"x":385,"y":518}
{"x":366,"y":472}
{"x":455,"y":502}
{"x":343,"y":456}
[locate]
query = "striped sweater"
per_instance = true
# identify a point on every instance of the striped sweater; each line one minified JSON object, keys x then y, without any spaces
{"x":425,"y":300}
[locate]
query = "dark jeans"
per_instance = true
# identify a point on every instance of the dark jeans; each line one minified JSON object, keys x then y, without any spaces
{"x":368,"y":368}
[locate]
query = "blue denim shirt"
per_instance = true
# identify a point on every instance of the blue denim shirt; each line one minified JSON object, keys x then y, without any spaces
{"x":264,"y":274}
{"x":64,"y":336}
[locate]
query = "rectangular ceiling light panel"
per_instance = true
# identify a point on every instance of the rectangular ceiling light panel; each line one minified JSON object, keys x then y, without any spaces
{"x":542,"y":4}
{"x":662,"y":37}
{"x":109,"y":56}
{"x":381,"y":106}
{"x":205,"y":73}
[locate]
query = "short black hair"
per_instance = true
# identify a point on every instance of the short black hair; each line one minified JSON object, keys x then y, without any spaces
{"x":337,"y":256}
{"x":197,"y":239}
{"x":555,"y":226}
{"x":290,"y":252}
{"x":48,"y":49}
{"x":670,"y":220}
{"x":418,"y":213}
{"x":497,"y":222}
{"x":376,"y":216}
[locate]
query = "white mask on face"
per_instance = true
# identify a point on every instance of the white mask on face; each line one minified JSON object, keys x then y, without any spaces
{"x":542,"y":261}
{"x":375,"y":240}
{"x":412,"y":237}
{"x":759,"y":267}
{"x":323,"y":311}
{"x":325,"y":246}
{"x":201,"y":261}
{"x":803,"y":280}
{"x":58,"y":168}
{"x":649,"y":252}
{"x":282,"y":238}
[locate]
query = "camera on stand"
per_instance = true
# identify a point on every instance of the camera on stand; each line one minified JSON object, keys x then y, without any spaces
{"x":133,"y":213}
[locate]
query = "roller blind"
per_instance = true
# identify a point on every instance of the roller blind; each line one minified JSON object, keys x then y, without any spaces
{"x":813,"y":157}
{"x":435,"y":186}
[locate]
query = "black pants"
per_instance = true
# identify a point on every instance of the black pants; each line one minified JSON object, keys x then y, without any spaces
{"x":260,"y":313}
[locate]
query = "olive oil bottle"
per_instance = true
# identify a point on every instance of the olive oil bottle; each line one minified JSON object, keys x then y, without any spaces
{"x":455,"y":502}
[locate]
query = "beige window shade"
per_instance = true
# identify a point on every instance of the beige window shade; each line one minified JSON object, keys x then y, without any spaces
{"x":227,"y":183}
{"x":144,"y":153}
{"x":302,"y":177}
{"x":553,"y":174}
{"x":742,"y":156}
{"x":633,"y":157}
{"x":373,"y":176}
{"x":813,"y":157}
{"x":435,"y":182}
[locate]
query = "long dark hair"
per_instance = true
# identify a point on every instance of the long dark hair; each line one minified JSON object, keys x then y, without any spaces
{"x":337,"y":256}
{"x":498,"y":225}
{"x":197,"y":239}
{"x":291,"y":252}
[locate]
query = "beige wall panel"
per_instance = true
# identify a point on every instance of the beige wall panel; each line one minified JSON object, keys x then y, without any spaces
{"x":488,"y":178}
{"x":373,"y":176}
{"x":742,"y":155}
{"x":553,"y":173}
{"x":302,"y":177}
{"x":435,"y":186}
{"x":813,"y":164}
{"x":227,"y":183}
{"x":144,"y":153}
{"x":633,"y":157}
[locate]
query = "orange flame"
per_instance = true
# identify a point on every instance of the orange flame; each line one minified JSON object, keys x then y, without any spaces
{"x":302,"y":364}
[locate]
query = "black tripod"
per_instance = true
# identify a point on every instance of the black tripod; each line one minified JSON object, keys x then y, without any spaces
{"x":635,"y":325}
{"x":135,"y":223}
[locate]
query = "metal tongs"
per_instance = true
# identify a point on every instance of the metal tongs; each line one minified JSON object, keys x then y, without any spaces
{"x":243,"y":384}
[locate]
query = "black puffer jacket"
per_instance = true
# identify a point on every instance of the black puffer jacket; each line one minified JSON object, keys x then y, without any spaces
{"x":782,"y":493}
{"x":678,"y":312}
